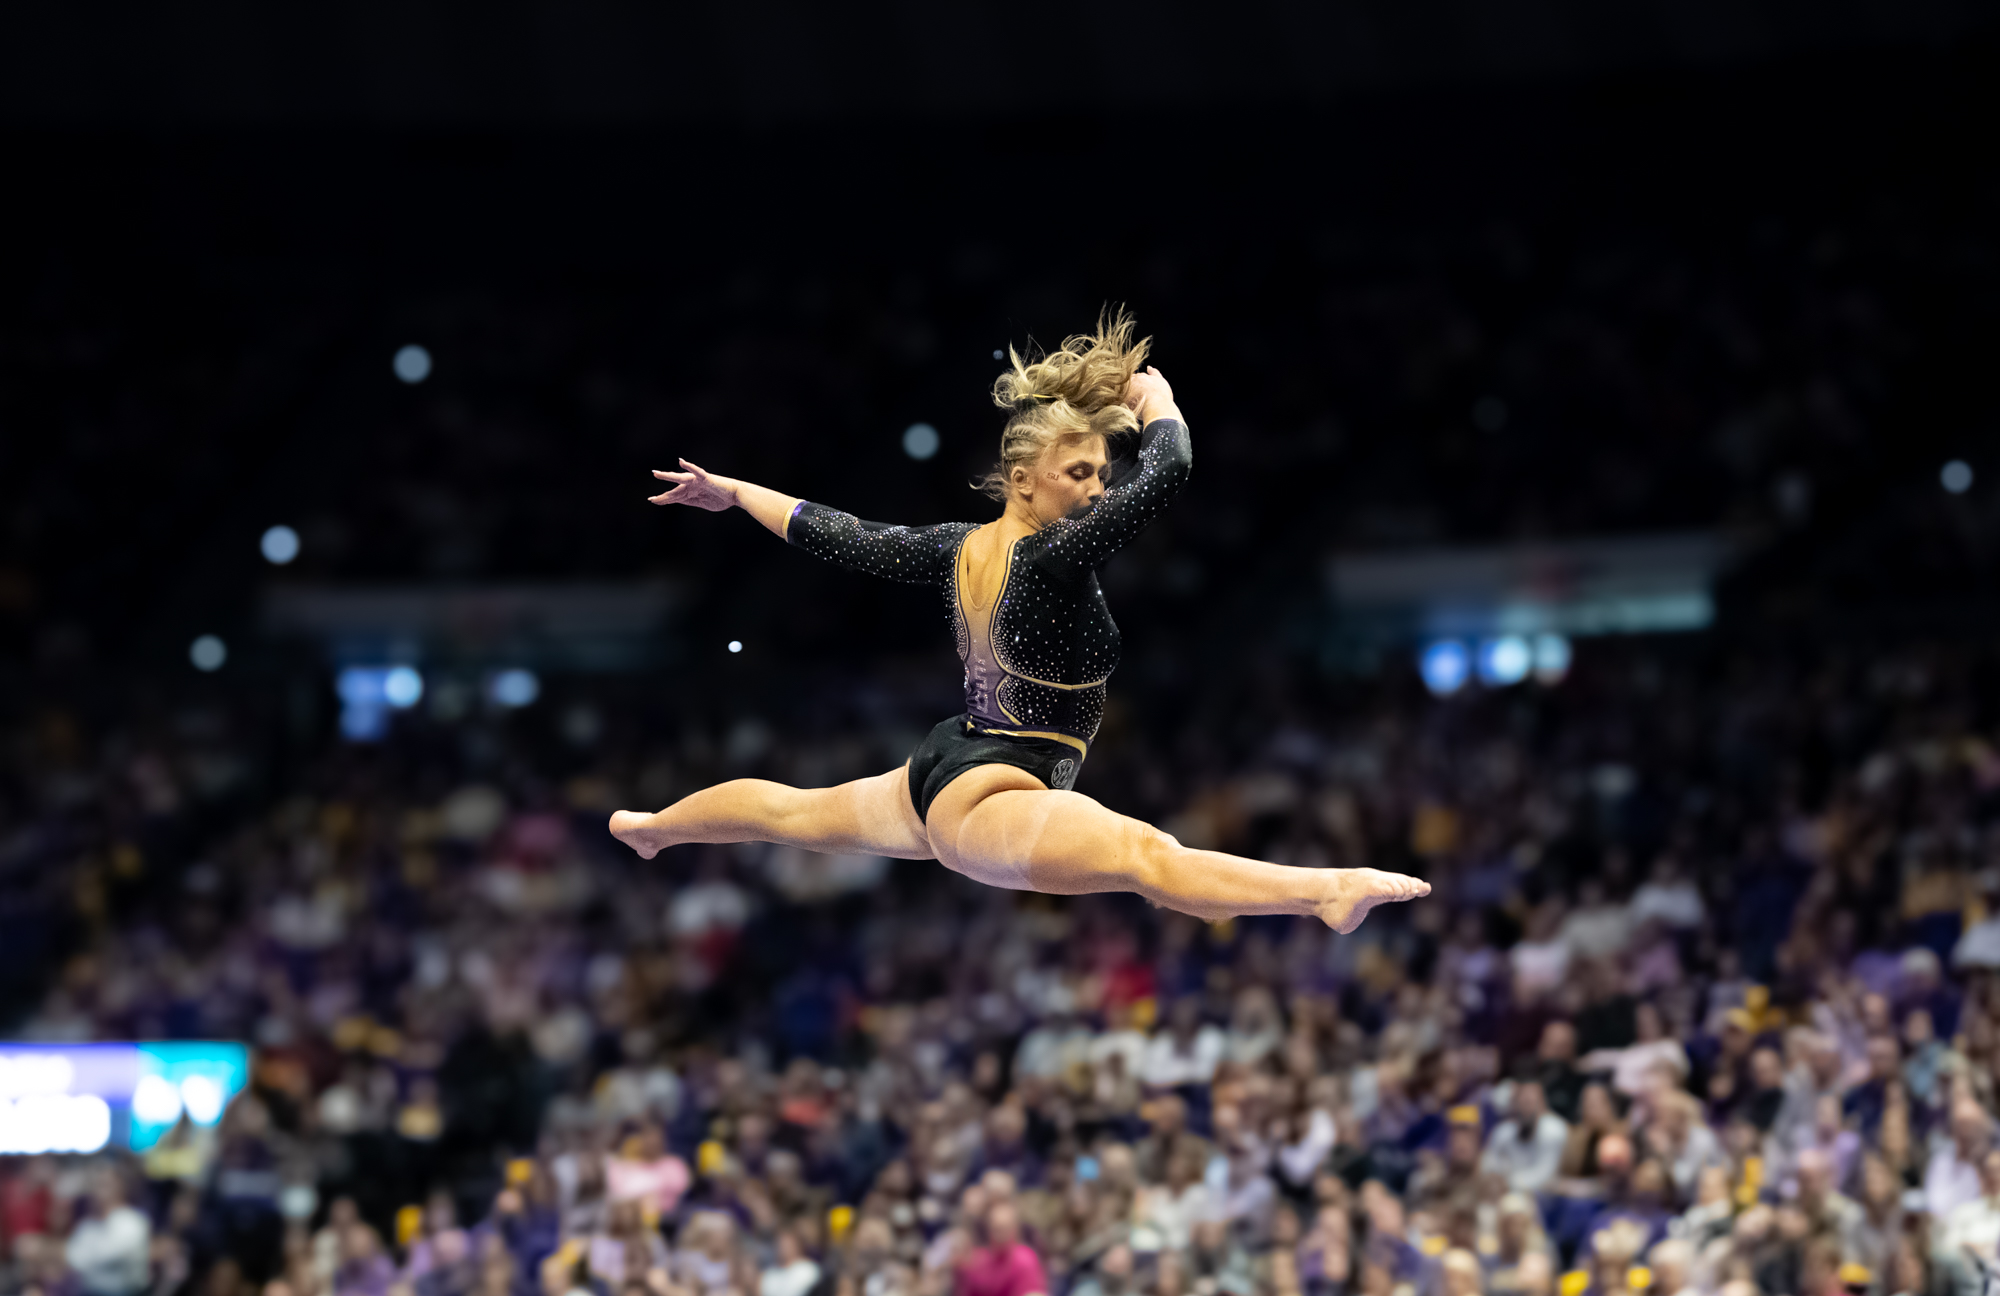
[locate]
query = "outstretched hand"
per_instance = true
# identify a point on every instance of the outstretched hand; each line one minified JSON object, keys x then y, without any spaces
{"x":1148,"y":395}
{"x":697,"y":488}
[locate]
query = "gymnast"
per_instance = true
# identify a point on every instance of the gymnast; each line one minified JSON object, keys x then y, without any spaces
{"x":990,"y":793}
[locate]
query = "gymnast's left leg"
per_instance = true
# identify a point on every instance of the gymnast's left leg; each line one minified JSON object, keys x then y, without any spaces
{"x":1002,"y":826}
{"x":871,"y":816}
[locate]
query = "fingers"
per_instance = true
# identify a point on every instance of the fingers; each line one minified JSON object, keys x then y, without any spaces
{"x":680,"y":480}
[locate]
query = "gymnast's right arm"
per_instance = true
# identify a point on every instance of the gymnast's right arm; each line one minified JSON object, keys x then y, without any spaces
{"x":919,"y":555}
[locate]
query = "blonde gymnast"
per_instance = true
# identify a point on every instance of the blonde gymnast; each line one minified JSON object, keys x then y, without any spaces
{"x":989,"y":793}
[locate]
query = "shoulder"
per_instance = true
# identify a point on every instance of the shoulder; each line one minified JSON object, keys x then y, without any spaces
{"x":1050,"y":541}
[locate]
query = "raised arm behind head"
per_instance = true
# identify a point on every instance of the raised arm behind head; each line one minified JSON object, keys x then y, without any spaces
{"x":1073,"y":394}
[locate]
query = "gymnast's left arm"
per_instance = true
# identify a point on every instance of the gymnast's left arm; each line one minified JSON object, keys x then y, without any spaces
{"x":1084,"y":541}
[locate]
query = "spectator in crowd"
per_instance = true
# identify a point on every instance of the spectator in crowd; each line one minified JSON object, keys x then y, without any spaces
{"x":109,"y":1248}
{"x":1526,"y":1150}
{"x":1002,"y":1264}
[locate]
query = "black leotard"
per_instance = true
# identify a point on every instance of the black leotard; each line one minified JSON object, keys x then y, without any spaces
{"x":1037,"y":667}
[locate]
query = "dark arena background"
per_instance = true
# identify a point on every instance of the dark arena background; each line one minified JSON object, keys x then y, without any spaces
{"x":1596,"y":513}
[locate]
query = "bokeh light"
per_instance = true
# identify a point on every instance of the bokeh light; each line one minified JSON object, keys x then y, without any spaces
{"x":1504,"y":661}
{"x":1552,"y":657}
{"x":413,"y":364}
{"x":208,"y":652}
{"x":1444,"y":665}
{"x":514,"y":688}
{"x":280,"y":544}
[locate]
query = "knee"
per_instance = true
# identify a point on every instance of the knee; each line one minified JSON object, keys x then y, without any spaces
{"x":1149,"y":856}
{"x":941,"y":829}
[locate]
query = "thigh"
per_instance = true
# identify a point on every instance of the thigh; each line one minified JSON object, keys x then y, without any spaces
{"x":1001,"y":825}
{"x":960,"y":845}
{"x":876,"y":815}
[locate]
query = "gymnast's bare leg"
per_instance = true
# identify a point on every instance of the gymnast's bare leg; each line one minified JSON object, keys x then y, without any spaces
{"x":871,"y":816}
{"x":1000,"y":825}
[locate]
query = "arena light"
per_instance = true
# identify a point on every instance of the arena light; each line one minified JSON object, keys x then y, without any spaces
{"x":67,"y":1098}
{"x":413,"y":364}
{"x":279,"y":545}
{"x":920,"y":441}
{"x":513,"y":688}
{"x":208,"y":653}
{"x":364,"y":723}
{"x":203,"y":1098}
{"x":40,"y":1072}
{"x":402,"y":687}
{"x":1552,"y":656}
{"x":36,"y":1126}
{"x":156,"y":1101}
{"x":1956,"y":476}
{"x":1444,"y":664}
{"x":365,"y":702}
{"x":1504,"y":660}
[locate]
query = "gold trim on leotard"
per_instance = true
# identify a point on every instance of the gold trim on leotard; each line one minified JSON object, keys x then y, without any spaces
{"x":961,"y":569}
{"x":1071,"y":739}
{"x":1051,"y":683}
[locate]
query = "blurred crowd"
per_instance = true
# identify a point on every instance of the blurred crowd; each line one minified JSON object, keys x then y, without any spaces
{"x":1701,"y":1003}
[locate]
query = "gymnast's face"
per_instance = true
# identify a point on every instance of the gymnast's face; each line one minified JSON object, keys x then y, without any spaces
{"x":1068,"y":476}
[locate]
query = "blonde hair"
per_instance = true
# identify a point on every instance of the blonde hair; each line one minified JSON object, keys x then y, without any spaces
{"x":1067,"y":395}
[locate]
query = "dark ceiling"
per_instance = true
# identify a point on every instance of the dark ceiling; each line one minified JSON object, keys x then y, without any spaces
{"x":512,"y":63}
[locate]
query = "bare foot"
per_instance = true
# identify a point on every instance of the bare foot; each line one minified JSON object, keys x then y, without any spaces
{"x":637,"y":831}
{"x":1356,"y":891}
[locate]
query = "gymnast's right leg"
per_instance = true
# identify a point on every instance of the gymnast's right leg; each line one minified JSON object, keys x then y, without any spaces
{"x":1002,"y":826}
{"x":871,"y":816}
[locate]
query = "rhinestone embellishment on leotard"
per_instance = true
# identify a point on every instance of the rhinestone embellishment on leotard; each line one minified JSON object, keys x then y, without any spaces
{"x":1052,"y":635}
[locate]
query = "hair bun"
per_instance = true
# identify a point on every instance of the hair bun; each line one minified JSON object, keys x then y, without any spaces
{"x":1076,"y":390}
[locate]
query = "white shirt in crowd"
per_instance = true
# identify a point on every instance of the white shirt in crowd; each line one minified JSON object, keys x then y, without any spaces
{"x":1597,"y":932}
{"x":1974,"y":1224}
{"x":1631,"y":1067}
{"x":1526,"y":1161}
{"x":109,"y":1252}
{"x":1539,"y":966}
{"x":1980,"y":946}
{"x":1299,"y":1162}
{"x":1675,"y":904}
{"x":1949,"y":1182}
{"x":1167,"y":1219}
{"x":1168,"y":1066}
{"x":1051,"y":1049}
{"x":1128,"y":1044}
{"x":794,"y":1279}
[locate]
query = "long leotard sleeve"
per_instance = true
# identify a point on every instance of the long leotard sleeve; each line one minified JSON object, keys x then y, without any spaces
{"x":1083,"y":541}
{"x":917,"y":555}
